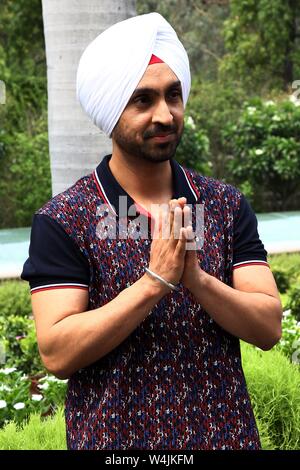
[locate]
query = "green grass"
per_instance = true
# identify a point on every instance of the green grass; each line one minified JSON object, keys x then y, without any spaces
{"x":274,"y":386}
{"x":37,"y":434}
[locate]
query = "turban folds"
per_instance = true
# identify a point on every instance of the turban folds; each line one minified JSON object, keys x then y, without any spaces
{"x":113,"y":64}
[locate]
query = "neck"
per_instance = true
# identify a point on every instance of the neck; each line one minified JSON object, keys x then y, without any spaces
{"x":144,"y":181}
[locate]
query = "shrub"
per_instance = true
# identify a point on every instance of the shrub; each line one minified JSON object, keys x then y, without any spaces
{"x":24,"y":160}
{"x":14,"y":299}
{"x":37,"y":434}
{"x":287,"y":262}
{"x":290,"y":341}
{"x":24,"y":157}
{"x":17,"y":328}
{"x":212,"y":105}
{"x":294,"y":303}
{"x":193,"y":150}
{"x":264,"y":148}
{"x":281,"y":279}
{"x":275,"y":395}
{"x":21,"y":395}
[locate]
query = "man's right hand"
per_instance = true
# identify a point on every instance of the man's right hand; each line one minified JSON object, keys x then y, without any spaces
{"x":168,"y":247}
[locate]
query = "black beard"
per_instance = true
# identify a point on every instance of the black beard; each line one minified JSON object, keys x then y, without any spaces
{"x":147,"y":151}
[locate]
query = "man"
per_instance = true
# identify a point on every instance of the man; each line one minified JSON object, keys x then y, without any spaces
{"x":146,"y":329}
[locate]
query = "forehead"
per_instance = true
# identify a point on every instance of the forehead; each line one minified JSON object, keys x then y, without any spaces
{"x":157,"y":76}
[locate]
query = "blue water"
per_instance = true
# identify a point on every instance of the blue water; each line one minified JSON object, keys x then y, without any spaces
{"x":14,"y":244}
{"x":279,"y":231}
{"x":279,"y":226}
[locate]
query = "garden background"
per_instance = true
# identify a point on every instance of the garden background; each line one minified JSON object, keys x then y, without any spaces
{"x":242,"y":126}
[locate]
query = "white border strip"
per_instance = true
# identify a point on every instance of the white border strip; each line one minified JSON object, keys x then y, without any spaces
{"x":288,"y":246}
{"x":104,"y":193}
{"x":188,"y":182}
{"x":251,"y":261}
{"x":58,"y":285}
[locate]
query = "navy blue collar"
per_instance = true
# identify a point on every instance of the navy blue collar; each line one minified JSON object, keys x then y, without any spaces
{"x":111,"y":190}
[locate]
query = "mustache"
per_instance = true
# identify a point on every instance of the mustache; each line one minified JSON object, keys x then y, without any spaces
{"x":160,"y":130}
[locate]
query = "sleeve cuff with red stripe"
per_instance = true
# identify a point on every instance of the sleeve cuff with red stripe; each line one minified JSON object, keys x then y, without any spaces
{"x":241,"y":264}
{"x":67,"y":285}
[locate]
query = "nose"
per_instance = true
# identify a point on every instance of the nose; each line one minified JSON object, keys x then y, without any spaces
{"x":162,"y":114}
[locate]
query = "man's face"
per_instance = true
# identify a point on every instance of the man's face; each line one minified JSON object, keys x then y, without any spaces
{"x":151,"y":125}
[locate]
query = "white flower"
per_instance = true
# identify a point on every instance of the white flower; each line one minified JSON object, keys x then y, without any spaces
{"x":259,"y":152}
{"x":8,"y":370}
{"x":36,"y":397}
{"x":3,"y":404}
{"x":269,"y":103}
{"x":50,"y":378}
{"x":190,"y":122}
{"x":295,"y":100}
{"x":44,"y":386}
{"x":251,"y":109}
{"x":276,"y":118}
{"x":286,"y":313}
{"x":5,"y":388}
{"x":19,"y":406}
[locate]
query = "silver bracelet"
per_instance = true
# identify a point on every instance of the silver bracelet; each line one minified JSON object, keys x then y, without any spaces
{"x":156,"y":276}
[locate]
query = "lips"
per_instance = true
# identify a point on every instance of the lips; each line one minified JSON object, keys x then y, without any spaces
{"x":163,"y":137}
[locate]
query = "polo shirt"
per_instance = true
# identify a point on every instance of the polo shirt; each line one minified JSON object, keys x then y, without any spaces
{"x":176,"y":382}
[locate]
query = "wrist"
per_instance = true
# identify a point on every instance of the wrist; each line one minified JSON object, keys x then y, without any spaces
{"x":199,"y":282}
{"x":154,"y":287}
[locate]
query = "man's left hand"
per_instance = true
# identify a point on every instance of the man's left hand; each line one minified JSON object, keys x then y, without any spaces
{"x":192,"y":271}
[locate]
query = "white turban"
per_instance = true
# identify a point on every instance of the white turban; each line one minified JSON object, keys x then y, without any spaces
{"x":113,"y":64}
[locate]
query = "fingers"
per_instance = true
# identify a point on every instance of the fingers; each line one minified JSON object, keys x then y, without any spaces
{"x":182,"y":201}
{"x":187,"y":216}
{"x":172,"y":205}
{"x":178,"y":216}
{"x":177,"y":225}
{"x":175,"y":218}
{"x":168,"y":252}
{"x":181,"y":245}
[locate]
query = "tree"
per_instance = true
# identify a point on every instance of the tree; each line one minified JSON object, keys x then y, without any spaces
{"x":262,"y":40}
{"x":24,"y":161}
{"x":76,"y":145}
{"x":199,"y":26}
{"x":264,"y":153}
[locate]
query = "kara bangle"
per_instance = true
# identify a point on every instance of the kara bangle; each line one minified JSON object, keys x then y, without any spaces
{"x":163,"y":281}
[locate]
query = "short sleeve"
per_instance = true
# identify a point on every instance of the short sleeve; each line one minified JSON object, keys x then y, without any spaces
{"x":55,"y":261}
{"x":248,"y":249}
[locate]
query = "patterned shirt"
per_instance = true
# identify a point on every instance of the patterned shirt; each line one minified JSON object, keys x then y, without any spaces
{"x":176,"y":382}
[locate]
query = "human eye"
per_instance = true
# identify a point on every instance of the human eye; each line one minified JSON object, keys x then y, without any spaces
{"x":142,"y":100}
{"x":175,"y":94}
